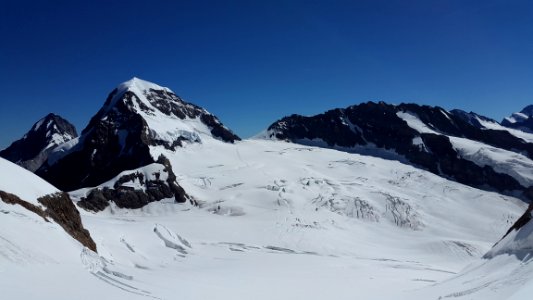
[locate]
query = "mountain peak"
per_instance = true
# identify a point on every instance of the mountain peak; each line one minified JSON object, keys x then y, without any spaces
{"x":528,"y":110}
{"x":138,"y":120}
{"x":138,"y":84}
{"x":34,"y":147}
{"x":522,"y":120}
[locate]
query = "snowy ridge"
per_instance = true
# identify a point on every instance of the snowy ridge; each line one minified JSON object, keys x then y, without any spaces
{"x":528,"y":137}
{"x":514,"y":164}
{"x":522,"y":120}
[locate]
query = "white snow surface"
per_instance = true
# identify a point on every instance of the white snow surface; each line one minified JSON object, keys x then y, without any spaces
{"x":23,"y":183}
{"x":276,"y":220}
{"x":287,"y":221}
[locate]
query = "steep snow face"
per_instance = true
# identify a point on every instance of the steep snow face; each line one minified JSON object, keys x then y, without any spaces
{"x":518,"y":242}
{"x":33,"y":149}
{"x":23,"y":183}
{"x":138,"y":116}
{"x":504,"y":272}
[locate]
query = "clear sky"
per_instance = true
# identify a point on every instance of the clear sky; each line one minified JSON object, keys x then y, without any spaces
{"x":252,"y":62}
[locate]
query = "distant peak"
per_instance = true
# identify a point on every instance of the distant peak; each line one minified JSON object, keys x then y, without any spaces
{"x":50,"y":116}
{"x":528,"y":110}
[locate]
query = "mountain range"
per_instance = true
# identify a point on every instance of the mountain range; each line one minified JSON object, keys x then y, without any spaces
{"x":157,"y":198}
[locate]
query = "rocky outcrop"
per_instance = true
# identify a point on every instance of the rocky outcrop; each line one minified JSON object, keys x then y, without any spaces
{"x":32,"y":150}
{"x":135,"y":190}
{"x":378,"y":125}
{"x":15,"y":200}
{"x":58,"y":207}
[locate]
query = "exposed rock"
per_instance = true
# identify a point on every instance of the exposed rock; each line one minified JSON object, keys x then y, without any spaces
{"x":58,"y":207}
{"x":14,"y":200}
{"x":32,"y":150}
{"x":153,"y":188}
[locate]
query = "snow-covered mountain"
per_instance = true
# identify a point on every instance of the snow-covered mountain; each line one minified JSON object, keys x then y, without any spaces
{"x":32,"y":150}
{"x":522,"y":120}
{"x":176,"y":208}
{"x":137,"y":116}
{"x":466,"y":147}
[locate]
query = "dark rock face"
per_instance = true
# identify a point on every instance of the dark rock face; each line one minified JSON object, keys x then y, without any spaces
{"x":100,"y":156}
{"x":454,"y":124}
{"x":471,"y":117}
{"x":377,"y":124}
{"x":15,"y":200}
{"x":128,"y":197}
{"x":118,"y":138}
{"x":32,"y":150}
{"x":58,"y":207}
{"x":522,"y":121}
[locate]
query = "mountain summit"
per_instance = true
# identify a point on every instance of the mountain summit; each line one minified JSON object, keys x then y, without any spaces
{"x":522,"y":120}
{"x":32,"y":150}
{"x":137,"y":117}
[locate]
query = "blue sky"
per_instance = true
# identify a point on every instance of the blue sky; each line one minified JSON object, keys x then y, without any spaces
{"x":252,"y":62}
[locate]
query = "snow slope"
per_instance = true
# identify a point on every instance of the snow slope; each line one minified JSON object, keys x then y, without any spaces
{"x":528,"y":137}
{"x":38,"y":259}
{"x":505,"y":272}
{"x":23,"y":183}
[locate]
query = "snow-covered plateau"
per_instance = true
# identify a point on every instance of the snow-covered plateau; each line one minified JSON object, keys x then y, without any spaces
{"x":274,"y":220}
